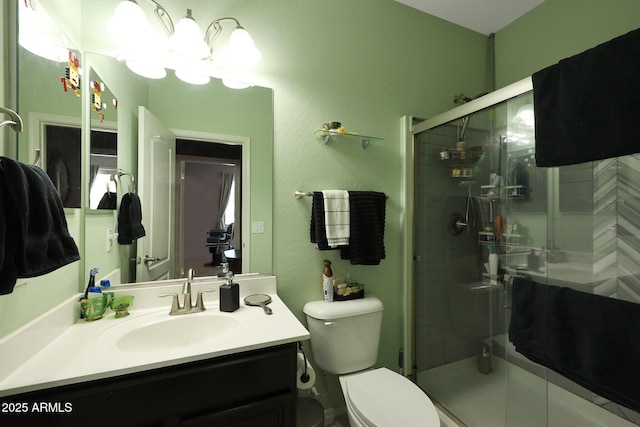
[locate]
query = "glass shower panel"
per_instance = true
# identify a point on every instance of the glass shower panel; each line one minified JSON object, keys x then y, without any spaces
{"x":480,"y":203}
{"x":458,"y":304}
{"x":524,"y":199}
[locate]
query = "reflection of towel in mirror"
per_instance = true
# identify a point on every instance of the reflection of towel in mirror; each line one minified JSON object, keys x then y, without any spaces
{"x":34,"y":238}
{"x":590,"y":339}
{"x":108,"y":201}
{"x":336,"y":217}
{"x":130,"y":219}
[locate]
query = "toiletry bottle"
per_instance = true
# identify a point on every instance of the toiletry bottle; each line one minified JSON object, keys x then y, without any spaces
{"x":484,"y":360}
{"x":92,"y":290}
{"x":327,"y":281}
{"x":229,"y":295}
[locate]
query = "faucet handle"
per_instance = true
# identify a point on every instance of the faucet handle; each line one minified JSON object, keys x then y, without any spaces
{"x":199,"y":302}
{"x":175,"y":304}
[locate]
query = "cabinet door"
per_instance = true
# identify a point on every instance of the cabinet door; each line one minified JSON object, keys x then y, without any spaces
{"x":257,"y":383}
{"x":273,"y":412}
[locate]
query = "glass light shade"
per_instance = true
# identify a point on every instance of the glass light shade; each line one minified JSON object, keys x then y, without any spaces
{"x":188,"y":40}
{"x":234,"y":84}
{"x":242,"y":49}
{"x":40,"y":35}
{"x":45,"y":50}
{"x":128,"y":22}
{"x":192,"y":77}
{"x":146,"y":69}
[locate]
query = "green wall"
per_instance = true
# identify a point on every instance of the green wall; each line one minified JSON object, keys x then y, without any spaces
{"x":559,"y":29}
{"x":364,"y":63}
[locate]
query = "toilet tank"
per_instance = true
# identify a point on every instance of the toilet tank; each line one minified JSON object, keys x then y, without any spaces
{"x":344,"y":335}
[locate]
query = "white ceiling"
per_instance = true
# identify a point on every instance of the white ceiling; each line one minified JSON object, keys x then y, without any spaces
{"x":482,"y":16}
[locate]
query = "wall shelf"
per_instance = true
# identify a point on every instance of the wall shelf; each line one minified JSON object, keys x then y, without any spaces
{"x":327,"y":134}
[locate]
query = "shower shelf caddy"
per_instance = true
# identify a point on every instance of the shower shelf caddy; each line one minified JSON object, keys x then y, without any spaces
{"x":327,"y":134}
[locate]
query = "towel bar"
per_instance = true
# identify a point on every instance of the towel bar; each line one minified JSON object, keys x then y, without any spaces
{"x":301,"y":194}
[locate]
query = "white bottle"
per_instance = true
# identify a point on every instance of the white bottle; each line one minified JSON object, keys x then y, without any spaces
{"x":493,"y":268}
{"x":327,"y":281}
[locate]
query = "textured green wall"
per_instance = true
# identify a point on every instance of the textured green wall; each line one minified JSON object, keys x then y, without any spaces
{"x":559,"y":29}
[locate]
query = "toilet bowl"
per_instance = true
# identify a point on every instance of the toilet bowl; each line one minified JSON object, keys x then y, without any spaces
{"x":381,"y":398}
{"x":344,"y":339}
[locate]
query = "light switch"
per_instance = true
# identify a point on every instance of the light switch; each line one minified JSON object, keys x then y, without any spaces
{"x":257,"y":227}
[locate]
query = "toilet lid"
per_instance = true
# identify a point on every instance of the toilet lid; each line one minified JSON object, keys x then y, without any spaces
{"x":383,"y":398}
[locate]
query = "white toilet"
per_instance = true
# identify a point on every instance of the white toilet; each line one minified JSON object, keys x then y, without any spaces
{"x":344,"y":340}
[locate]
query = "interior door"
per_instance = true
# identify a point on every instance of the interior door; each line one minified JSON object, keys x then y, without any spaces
{"x":156,"y":176}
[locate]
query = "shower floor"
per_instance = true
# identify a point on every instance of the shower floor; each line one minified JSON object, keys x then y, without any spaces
{"x":510,"y":393}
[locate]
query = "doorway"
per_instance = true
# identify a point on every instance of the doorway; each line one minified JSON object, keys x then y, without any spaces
{"x":199,"y":169}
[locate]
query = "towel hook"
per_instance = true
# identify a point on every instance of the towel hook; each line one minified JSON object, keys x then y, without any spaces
{"x":120,"y":173}
{"x":15,"y":122}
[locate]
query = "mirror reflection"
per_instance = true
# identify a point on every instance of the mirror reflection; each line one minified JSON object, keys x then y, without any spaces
{"x":103,"y":156}
{"x":206,"y":178}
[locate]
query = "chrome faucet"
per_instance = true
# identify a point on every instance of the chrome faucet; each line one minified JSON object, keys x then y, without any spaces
{"x":187,"y":306}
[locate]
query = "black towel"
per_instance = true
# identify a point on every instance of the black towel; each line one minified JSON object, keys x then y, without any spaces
{"x":108,"y":201}
{"x":318,"y":231}
{"x":586,"y":106}
{"x":367,"y":222}
{"x":590,"y":339}
{"x":130,"y":226}
{"x":34,"y":238}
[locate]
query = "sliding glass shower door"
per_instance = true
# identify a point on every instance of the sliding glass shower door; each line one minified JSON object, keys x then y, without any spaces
{"x":480,"y":207}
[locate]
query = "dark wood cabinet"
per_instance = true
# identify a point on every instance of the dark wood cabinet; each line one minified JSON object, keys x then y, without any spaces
{"x":254,"y":388}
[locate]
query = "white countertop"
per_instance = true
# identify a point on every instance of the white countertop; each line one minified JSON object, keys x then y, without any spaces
{"x":58,"y":348}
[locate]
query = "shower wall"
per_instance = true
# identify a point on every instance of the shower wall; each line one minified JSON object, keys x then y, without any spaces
{"x":452,"y":318}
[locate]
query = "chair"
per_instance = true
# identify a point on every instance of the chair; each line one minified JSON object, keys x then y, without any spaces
{"x":218,"y":241}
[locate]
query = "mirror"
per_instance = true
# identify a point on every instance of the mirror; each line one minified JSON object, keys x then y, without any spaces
{"x":238,"y":116}
{"x":217,"y":116}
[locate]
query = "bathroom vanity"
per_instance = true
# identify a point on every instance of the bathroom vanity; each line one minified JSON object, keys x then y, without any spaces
{"x":152,"y":369}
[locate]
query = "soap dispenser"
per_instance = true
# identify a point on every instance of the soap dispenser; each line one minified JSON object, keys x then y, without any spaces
{"x":229,"y":295}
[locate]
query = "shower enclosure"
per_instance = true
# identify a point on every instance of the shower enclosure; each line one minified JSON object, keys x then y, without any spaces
{"x":484,"y":213}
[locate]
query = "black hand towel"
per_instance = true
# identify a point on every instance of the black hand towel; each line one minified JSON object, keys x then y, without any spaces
{"x":318,"y":233}
{"x":367,"y":218}
{"x":34,"y":238}
{"x":130,"y":226}
{"x":590,"y":339}
{"x":586,"y":107}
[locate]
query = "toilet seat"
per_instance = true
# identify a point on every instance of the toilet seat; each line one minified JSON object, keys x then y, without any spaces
{"x":383,"y":398}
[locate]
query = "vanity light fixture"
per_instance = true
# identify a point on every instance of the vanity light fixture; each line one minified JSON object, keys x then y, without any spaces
{"x":39,"y":34}
{"x":187,"y":47}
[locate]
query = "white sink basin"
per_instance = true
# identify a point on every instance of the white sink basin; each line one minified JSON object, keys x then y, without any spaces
{"x":161,"y":332}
